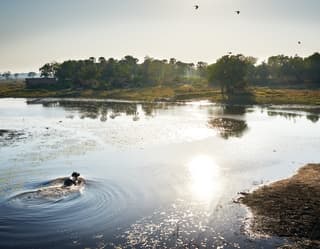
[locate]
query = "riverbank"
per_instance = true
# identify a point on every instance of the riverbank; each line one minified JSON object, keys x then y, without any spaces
{"x":289,"y":208}
{"x":256,"y":95}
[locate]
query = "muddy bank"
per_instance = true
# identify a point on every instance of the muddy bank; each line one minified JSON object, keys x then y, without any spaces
{"x":289,"y":208}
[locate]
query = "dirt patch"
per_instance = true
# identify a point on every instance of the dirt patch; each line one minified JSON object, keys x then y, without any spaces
{"x":289,"y":208}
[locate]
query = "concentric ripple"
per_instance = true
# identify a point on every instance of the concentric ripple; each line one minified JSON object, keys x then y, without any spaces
{"x":47,"y":194}
{"x":51,"y":214}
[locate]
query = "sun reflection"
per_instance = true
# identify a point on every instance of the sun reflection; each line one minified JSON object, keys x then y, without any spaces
{"x":205,"y":178}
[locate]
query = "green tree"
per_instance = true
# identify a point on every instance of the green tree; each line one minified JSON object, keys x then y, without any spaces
{"x":102,"y":60}
{"x":230,"y":72}
{"x":313,"y":68}
{"x":261,"y":73}
{"x":92,"y":59}
{"x":6,"y":75}
{"x":278,"y":66}
{"x":296,"y":69}
{"x":202,"y":69}
{"x":49,"y":70}
{"x":32,"y":74}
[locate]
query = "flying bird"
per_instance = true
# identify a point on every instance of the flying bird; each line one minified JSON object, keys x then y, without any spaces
{"x":238,"y":12}
{"x":299,"y":42}
{"x":196,"y":7}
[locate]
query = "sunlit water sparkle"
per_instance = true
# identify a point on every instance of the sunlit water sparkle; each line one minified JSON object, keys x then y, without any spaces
{"x":158,"y":175}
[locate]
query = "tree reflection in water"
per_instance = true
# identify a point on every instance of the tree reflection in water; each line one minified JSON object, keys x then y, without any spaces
{"x":313,"y":118}
{"x":228,"y":127}
{"x":105,"y":109}
{"x":286,"y":115}
{"x":292,"y":113}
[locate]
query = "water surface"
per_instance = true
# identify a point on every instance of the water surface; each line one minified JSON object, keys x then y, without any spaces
{"x":161,"y":175}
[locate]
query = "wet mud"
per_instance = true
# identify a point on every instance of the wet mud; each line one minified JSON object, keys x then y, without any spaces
{"x":289,"y":208}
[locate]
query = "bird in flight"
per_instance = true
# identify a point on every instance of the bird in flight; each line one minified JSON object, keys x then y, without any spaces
{"x":238,"y":12}
{"x":196,"y":7}
{"x":299,"y":42}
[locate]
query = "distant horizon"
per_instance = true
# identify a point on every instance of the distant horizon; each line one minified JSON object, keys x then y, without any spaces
{"x":35,"y":32}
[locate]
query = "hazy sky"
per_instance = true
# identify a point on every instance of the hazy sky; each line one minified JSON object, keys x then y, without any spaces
{"x":34,"y":32}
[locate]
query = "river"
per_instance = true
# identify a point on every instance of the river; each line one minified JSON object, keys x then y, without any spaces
{"x":158,"y":175}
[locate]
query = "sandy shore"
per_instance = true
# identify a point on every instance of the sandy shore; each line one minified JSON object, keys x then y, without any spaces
{"x":289,"y":208}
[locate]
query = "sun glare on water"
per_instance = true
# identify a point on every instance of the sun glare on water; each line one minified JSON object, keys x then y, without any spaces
{"x":205,"y":180}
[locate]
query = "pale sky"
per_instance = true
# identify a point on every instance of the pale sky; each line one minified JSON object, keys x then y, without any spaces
{"x":34,"y":32}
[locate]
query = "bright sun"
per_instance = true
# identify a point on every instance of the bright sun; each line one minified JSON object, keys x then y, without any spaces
{"x":205,"y":181}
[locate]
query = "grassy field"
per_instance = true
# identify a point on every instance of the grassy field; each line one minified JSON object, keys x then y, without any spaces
{"x":256,"y":95}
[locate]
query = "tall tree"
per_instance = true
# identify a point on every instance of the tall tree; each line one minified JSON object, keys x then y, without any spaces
{"x":202,"y":68}
{"x":102,"y":60}
{"x":6,"y":75}
{"x":49,"y":70}
{"x":313,"y":67}
{"x":92,"y":59}
{"x":230,"y":72}
{"x":32,"y":74}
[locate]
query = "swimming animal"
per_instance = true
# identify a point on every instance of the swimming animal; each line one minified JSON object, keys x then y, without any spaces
{"x":54,"y":190}
{"x":73,"y":180}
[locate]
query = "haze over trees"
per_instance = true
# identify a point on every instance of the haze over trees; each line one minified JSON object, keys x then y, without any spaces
{"x":124,"y":73}
{"x":231,"y":73}
{"x":32,"y":74}
{"x":6,"y":75}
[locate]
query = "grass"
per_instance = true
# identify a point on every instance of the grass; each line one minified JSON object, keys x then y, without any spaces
{"x":286,"y":96}
{"x":257,"y":95}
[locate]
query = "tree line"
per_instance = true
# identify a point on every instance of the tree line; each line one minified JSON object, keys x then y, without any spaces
{"x":124,"y":73}
{"x":230,"y":72}
{"x":235,"y":72}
